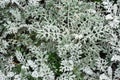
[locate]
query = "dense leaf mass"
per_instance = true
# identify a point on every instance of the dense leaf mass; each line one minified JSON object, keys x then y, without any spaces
{"x":59,"y":39}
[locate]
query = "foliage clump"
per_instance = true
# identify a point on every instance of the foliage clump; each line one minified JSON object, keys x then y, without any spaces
{"x":59,"y":40}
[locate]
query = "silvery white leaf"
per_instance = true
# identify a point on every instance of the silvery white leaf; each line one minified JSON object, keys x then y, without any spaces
{"x":87,"y":70}
{"x":115,"y":58}
{"x":19,"y":56}
{"x":109,"y":17}
{"x":110,"y":71}
{"x":104,"y":77}
{"x":115,"y":9}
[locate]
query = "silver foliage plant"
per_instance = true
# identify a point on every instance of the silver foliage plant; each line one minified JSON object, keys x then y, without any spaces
{"x":59,"y":40}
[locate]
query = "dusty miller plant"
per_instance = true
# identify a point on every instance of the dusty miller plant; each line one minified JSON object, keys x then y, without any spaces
{"x":59,"y":40}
